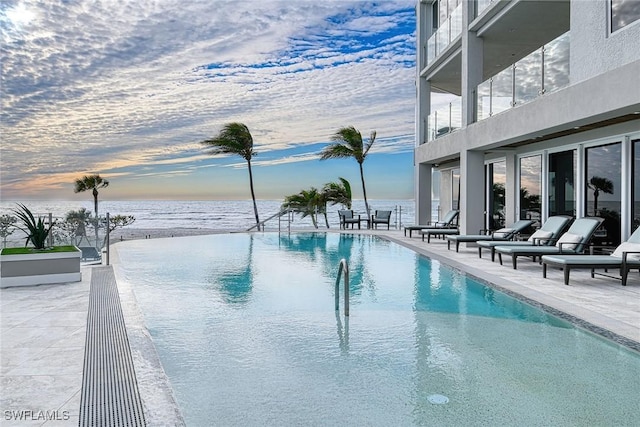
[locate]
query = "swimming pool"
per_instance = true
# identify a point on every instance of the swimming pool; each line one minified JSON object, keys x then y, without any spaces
{"x":246,"y":331}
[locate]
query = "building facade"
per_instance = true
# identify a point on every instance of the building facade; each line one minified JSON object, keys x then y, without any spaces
{"x":527,"y":109}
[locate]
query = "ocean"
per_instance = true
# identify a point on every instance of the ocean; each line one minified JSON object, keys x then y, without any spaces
{"x":222,"y":215}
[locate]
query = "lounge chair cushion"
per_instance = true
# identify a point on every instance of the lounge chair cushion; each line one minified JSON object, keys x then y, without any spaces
{"x":569,"y":238}
{"x":540,"y":236}
{"x":503,"y":232}
{"x":628,"y":247}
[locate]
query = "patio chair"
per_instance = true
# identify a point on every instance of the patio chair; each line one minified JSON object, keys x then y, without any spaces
{"x":347,"y":217}
{"x":440,"y":232}
{"x":380,"y":217}
{"x":450,"y":220}
{"x":503,"y":234}
{"x":572,"y":242}
{"x":625,"y":257}
{"x":547,"y":234}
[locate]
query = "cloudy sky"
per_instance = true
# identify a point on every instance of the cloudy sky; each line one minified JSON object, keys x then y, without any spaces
{"x":128,"y":88}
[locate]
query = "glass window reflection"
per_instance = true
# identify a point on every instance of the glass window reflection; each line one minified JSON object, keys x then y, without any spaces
{"x":497,"y":180}
{"x":623,"y":13}
{"x":531,"y":189}
{"x":455,"y":188}
{"x":562,"y":172}
{"x":636,"y":185}
{"x":603,"y":193}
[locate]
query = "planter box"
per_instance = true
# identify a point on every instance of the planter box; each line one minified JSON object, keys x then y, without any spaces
{"x":40,"y":268}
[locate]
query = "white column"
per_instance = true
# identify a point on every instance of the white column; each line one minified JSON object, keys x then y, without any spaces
{"x":472,"y":63}
{"x":423,"y":193}
{"x":471,"y":191}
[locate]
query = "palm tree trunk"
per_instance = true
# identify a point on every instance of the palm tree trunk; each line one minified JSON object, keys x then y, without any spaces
{"x":253,"y":194}
{"x":364,"y":192}
{"x":95,"y":209}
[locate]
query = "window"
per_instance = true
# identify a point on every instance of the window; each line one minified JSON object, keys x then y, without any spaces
{"x":562,"y":172}
{"x":455,"y":189}
{"x":531,"y":189}
{"x":623,"y":13}
{"x":635,"y":183}
{"x":603,"y":193}
{"x":497,"y":177}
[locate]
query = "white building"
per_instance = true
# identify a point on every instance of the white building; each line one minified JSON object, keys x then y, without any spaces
{"x":541,"y":114}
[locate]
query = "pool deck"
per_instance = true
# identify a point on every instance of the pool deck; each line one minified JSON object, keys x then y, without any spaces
{"x":42,"y":336}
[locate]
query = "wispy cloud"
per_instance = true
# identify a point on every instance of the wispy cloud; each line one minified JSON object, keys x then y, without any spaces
{"x":102,"y":85}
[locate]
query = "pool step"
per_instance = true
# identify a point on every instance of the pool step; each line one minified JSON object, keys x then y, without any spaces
{"x":110,"y":395}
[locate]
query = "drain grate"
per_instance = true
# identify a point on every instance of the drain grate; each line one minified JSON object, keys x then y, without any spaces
{"x":110,"y":394}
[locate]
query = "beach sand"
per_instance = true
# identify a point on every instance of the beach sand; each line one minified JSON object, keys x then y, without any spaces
{"x":155,"y":233}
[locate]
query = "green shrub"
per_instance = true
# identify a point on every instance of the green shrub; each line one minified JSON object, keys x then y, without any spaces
{"x":36,"y":230}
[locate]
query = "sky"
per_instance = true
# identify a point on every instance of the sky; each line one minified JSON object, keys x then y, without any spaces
{"x":128,"y":89}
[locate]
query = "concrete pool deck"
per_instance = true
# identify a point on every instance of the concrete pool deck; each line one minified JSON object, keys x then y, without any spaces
{"x":43,"y":327}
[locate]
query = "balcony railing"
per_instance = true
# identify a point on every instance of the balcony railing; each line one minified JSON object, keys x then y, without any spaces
{"x":444,"y":120}
{"x":543,"y":71}
{"x":481,"y":5}
{"x":447,"y":33}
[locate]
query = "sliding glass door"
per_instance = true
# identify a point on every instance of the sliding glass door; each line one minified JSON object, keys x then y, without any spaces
{"x":603,"y":195}
{"x":635,"y":203}
{"x":531,"y":189}
{"x":562,"y":174}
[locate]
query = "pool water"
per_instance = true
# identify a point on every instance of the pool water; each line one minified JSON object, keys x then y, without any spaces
{"x":246,"y":331}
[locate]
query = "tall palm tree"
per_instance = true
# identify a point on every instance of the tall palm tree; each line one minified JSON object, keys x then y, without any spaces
{"x":598,"y":184}
{"x":347,"y":142}
{"x":93,"y":183}
{"x":235,"y":138}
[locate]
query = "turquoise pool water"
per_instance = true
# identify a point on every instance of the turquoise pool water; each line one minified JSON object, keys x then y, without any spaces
{"x":246,"y":331}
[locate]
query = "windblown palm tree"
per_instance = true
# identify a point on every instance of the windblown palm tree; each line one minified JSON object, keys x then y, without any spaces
{"x":338,"y":193}
{"x":93,"y":183}
{"x":348,"y":143}
{"x":235,"y":138}
{"x":335,"y":193}
{"x":306,"y":202}
{"x":598,"y":184}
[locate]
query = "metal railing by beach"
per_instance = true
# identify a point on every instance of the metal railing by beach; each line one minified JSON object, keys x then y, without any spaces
{"x":89,"y":236}
{"x":286,"y":218}
{"x":278,"y":215}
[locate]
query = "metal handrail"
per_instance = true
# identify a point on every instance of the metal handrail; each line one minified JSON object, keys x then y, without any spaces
{"x":343,"y":268}
{"x":261,"y":223}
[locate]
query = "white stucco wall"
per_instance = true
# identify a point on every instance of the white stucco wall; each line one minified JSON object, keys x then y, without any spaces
{"x":593,"y":50}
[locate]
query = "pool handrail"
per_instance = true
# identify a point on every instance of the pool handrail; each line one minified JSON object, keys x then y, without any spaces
{"x":343,"y":268}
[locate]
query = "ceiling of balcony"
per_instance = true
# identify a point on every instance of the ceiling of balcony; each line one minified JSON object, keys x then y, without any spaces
{"x":510,"y":31}
{"x":518,"y":29}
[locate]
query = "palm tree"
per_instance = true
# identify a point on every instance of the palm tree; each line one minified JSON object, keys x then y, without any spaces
{"x":334,"y":193}
{"x":306,"y":202}
{"x":338,"y":192}
{"x":598,"y":184}
{"x":93,"y":183}
{"x":348,"y":143}
{"x":235,"y":138}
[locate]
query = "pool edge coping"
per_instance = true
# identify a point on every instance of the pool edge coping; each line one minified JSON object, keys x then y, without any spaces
{"x":159,"y":401}
{"x":527,"y":295}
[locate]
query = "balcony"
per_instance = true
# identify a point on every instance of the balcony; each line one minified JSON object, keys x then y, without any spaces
{"x":543,"y":71}
{"x":481,"y":5}
{"x":444,"y":120}
{"x":442,"y":38}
